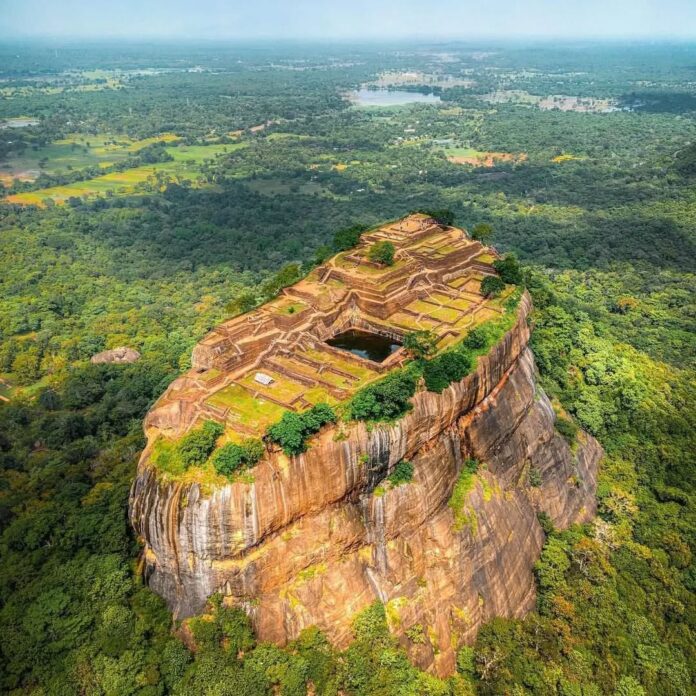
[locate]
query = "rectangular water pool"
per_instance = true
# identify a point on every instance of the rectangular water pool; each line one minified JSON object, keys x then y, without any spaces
{"x":365,"y":344}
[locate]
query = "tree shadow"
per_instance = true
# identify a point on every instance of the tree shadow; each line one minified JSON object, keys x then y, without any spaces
{"x":596,"y":240}
{"x":659,"y":102}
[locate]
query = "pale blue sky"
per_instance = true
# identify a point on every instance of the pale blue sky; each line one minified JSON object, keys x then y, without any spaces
{"x":330,"y":19}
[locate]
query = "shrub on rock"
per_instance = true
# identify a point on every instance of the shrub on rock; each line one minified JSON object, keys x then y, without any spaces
{"x":232,"y":457}
{"x":386,"y":399}
{"x":293,"y":429}
{"x":195,"y":447}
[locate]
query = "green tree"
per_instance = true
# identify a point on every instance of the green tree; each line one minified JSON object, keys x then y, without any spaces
{"x":446,"y":368}
{"x":482,"y":232}
{"x":492,"y":286}
{"x":196,"y":446}
{"x":421,"y":344}
{"x":442,"y":216}
{"x":349,"y":237}
{"x":403,"y":473}
{"x":25,"y":366}
{"x":385,"y":399}
{"x":509,"y":269}
{"x":628,"y":686}
{"x":290,"y":273}
{"x":289,"y":433}
{"x":475,"y":339}
{"x":231,"y":457}
{"x":293,"y":429}
{"x":244,"y":302}
{"x":382,"y":252}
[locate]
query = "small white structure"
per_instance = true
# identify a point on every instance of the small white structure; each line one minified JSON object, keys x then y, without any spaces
{"x":263,"y":378}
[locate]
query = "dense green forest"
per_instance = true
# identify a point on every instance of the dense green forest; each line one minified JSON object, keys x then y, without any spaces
{"x":600,"y":210}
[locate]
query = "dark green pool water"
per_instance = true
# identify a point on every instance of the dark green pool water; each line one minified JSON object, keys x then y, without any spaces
{"x":365,"y":344}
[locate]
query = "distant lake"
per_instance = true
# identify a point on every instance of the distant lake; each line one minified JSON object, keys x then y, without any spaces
{"x":390,"y":97}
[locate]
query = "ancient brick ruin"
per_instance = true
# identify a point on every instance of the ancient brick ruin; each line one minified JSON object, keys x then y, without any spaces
{"x":433,"y":284}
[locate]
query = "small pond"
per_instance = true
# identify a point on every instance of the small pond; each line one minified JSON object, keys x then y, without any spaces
{"x":365,"y":344}
{"x":390,"y":97}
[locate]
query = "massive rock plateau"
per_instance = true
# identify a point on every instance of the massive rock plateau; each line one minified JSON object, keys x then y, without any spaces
{"x":313,"y":539}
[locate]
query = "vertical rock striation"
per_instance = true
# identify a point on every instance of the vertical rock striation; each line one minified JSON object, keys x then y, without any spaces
{"x":316,"y":538}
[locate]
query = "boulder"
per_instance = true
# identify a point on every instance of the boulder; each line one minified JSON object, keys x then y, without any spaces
{"x":116,"y":355}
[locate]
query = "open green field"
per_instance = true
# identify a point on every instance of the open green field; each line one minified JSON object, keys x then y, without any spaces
{"x":185,"y":165}
{"x":463,"y":152}
{"x":76,"y":151}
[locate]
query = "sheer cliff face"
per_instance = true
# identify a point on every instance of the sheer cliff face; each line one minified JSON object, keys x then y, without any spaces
{"x":315,"y":539}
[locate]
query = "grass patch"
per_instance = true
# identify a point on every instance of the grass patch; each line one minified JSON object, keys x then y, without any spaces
{"x":283,"y":389}
{"x":457,"y":501}
{"x":245,"y":409}
{"x":408,"y":321}
{"x":286,"y":306}
{"x":403,"y":473}
{"x":348,"y":366}
{"x":434,"y":311}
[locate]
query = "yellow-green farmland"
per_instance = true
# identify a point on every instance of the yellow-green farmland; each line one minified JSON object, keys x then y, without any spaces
{"x":185,"y":165}
{"x":75,"y":151}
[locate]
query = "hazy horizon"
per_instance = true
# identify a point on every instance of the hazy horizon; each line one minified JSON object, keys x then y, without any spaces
{"x":355,"y":21}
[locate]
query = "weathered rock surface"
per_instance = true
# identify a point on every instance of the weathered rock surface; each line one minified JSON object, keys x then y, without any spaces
{"x":311,"y":542}
{"x":116,"y":355}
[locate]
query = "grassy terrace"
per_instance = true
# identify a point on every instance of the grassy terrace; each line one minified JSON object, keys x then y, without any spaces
{"x":470,"y":284}
{"x":349,"y":366}
{"x":433,"y":311}
{"x":253,"y":413}
{"x":308,"y":371}
{"x":411,"y":323}
{"x":282,"y":388}
{"x":287,"y":306}
{"x":348,"y":264}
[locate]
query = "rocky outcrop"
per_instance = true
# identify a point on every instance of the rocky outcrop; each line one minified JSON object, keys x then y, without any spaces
{"x":116,"y":355}
{"x":316,"y":538}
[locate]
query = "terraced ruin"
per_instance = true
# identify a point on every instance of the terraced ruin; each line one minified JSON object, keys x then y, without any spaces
{"x":313,"y":537}
{"x":251,"y":369}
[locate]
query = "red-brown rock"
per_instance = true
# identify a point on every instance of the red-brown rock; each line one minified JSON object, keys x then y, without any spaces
{"x":311,"y":542}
